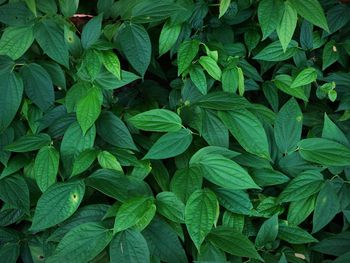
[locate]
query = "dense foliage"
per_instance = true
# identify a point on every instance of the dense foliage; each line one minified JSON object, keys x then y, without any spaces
{"x":174,"y":131}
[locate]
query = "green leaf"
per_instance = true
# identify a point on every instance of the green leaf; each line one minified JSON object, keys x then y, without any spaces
{"x":112,"y":63}
{"x":29,"y":143}
{"x":304,"y":185}
{"x":11,"y":90}
{"x":239,"y":246}
{"x":50,"y":37}
{"x":332,"y":132}
{"x":57,"y":204}
{"x":275,"y":52}
{"x":15,"y":14}
{"x":299,"y":210}
{"x":89,"y":108}
{"x":90,"y":67}
{"x":305,"y":77}
{"x":200,"y":215}
{"x":270,"y":13}
{"x":187,"y":52}
{"x":284,"y":82}
{"x":326,"y":208}
{"x":10,"y":251}
{"x":248,"y":131}
{"x":171,"y":207}
{"x":117,"y":185}
{"x":241,"y":87}
{"x":222,"y":101}
{"x":68,"y":7}
{"x":185,"y":181}
{"x":108,"y":161}
{"x":82,"y":244}
{"x":223,"y":172}
{"x":170,"y":145}
{"x":91,"y":32}
{"x":133,"y":212}
{"x":46,"y":167}
{"x":38,"y":85}
{"x":336,"y":245}
{"x":224,"y":5}
{"x":324,"y":152}
{"x":157,"y":120}
{"x":267,"y":177}
{"x":73,"y":143}
{"x":330,"y":54}
{"x":15,"y":41}
{"x":235,"y":201}
{"x":213,"y":130}
{"x":136,"y":46}
{"x":295,"y":235}
{"x":14,"y":192}
{"x":109,"y":82}
{"x":288,"y":126}
{"x":286,"y":28}
{"x":114,"y":131}
{"x":168,"y":37}
{"x":211,"y":67}
{"x":198,"y":78}
{"x":229,"y":80}
{"x":83,"y":161}
{"x":312,"y":11}
{"x":267,"y":232}
{"x":129,"y":246}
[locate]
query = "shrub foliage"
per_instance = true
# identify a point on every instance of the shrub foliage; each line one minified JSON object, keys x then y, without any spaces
{"x":174,"y":131}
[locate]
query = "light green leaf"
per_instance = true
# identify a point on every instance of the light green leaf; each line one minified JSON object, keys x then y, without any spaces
{"x":171,"y":207}
{"x":304,"y":185}
{"x":326,"y":208}
{"x":158,"y":120}
{"x":284,"y":82}
{"x":168,"y":36}
{"x":299,"y":210}
{"x":81,"y":244}
{"x":210,"y":65}
{"x":305,"y":77}
{"x":15,"y":41}
{"x":46,"y":167}
{"x":109,"y":161}
{"x":187,"y":52}
{"x":50,"y":37}
{"x":288,"y":126}
{"x":89,"y":108}
{"x":241,"y":87}
{"x":286,"y":28}
{"x":83,"y":161}
{"x":223,"y":172}
{"x":11,"y":90}
{"x":229,"y":80}
{"x":112,"y":63}
{"x":267,"y":177}
{"x":224,"y":5}
{"x":198,"y":78}
{"x":185,"y":181}
{"x":133,"y":212}
{"x":248,"y":131}
{"x":57,"y":204}
{"x":270,"y":13}
{"x":200,"y":215}
{"x":240,"y":245}
{"x":129,"y":246}
{"x":29,"y":143}
{"x":312,"y":11}
{"x":170,"y":145}
{"x":324,"y":151}
{"x":136,"y":46}
{"x":91,"y":32}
